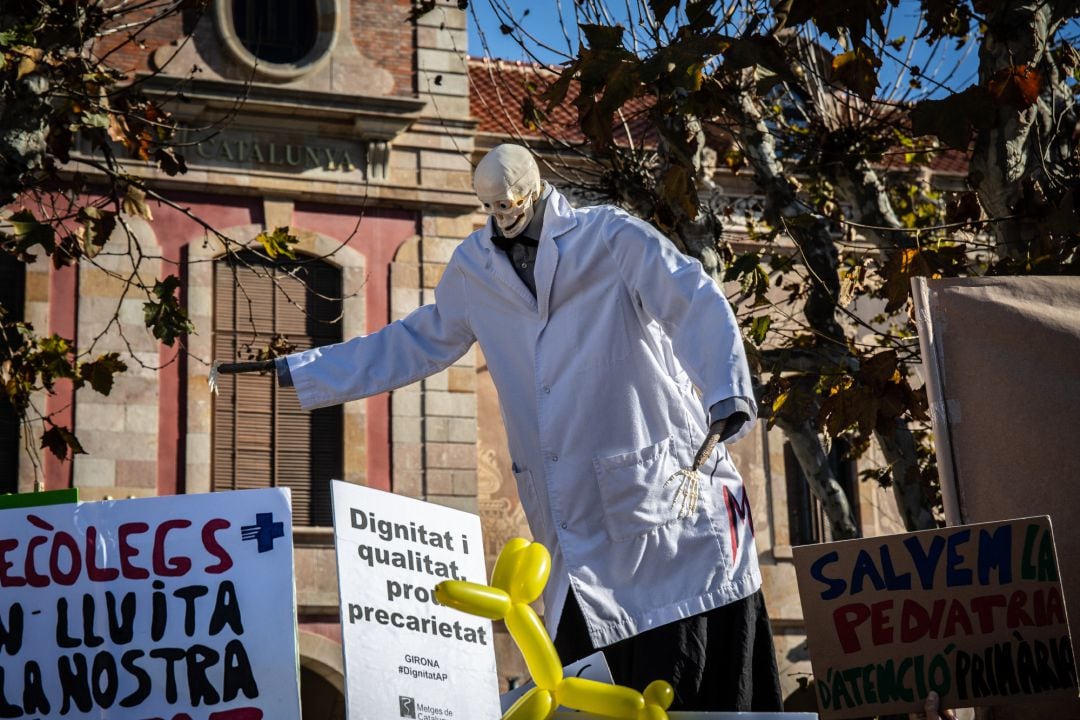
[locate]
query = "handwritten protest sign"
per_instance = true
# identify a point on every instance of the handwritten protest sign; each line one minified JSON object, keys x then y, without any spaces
{"x":164,"y":608}
{"x":406,"y":655}
{"x":973,"y":612}
{"x":37,"y":499}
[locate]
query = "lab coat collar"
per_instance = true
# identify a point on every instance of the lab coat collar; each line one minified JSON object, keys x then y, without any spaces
{"x":498,"y":264}
{"x":558,"y":219}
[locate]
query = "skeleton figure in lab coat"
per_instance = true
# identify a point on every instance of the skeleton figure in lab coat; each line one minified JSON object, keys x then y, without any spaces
{"x":619,"y":366}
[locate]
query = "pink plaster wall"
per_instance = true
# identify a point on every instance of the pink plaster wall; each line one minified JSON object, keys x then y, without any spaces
{"x":330,"y":630}
{"x":60,"y":406}
{"x":376,"y":234}
{"x":174,"y":230}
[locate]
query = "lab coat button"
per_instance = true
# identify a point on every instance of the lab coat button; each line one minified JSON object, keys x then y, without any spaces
{"x":564,"y":526}
{"x":554,"y":458}
{"x":547,"y":389}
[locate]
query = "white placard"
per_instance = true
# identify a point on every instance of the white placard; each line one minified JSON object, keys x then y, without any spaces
{"x":166,"y":607}
{"x":590,"y":667}
{"x":405,"y":655}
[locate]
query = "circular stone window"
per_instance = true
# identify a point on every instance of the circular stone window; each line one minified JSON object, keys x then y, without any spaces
{"x":280,"y":39}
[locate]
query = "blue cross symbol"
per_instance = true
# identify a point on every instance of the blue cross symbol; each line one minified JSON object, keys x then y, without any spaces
{"x":265,"y":530}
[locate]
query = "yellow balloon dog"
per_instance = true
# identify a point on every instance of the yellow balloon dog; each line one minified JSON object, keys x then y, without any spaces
{"x":520,"y":574}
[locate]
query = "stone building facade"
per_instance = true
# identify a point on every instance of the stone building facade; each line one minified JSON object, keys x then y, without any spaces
{"x":349,"y":125}
{"x":359,"y":137}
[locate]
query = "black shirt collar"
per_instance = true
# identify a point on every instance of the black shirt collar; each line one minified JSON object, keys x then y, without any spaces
{"x":507,"y":244}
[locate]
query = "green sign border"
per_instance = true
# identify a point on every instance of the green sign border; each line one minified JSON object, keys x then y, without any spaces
{"x":36,"y":499}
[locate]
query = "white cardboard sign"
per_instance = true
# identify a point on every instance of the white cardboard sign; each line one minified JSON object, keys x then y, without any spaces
{"x":405,"y":655}
{"x":166,"y":607}
{"x":590,"y":667}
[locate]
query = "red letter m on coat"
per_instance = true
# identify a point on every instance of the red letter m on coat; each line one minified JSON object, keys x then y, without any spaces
{"x":741,"y":510}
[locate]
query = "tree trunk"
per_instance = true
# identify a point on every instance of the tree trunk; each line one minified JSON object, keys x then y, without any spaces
{"x":683,"y":142}
{"x":872,"y":207}
{"x":810,"y":231}
{"x":1012,"y":150}
{"x":911,"y":500}
{"x":860,"y":185}
{"x":785,"y":211}
{"x":806,"y":443}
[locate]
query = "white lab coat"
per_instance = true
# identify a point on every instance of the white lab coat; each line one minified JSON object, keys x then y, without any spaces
{"x":596,"y":379}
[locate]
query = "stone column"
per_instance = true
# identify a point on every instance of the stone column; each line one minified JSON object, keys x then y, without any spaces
{"x":120,"y":430}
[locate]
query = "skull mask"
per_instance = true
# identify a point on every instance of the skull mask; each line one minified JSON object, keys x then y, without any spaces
{"x":507,"y":183}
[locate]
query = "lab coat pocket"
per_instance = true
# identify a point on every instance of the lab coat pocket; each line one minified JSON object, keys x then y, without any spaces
{"x":633,"y":491}
{"x":529,"y":501}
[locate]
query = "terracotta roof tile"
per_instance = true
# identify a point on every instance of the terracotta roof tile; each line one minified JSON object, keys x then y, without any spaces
{"x":499,"y":91}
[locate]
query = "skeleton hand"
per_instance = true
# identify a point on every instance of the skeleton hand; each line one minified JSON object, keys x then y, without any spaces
{"x":688,"y":492}
{"x":219,"y":368}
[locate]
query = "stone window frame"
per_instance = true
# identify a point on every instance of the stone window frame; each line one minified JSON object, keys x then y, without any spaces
{"x":200,"y":269}
{"x":325,"y":40}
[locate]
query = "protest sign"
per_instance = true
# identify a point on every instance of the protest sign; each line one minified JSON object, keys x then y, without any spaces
{"x":590,"y":667}
{"x":167,"y":607}
{"x":37,"y":499}
{"x":973,"y":612}
{"x":406,"y":655}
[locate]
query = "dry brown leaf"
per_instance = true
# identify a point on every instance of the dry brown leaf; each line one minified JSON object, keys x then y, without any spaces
{"x":1016,"y":85}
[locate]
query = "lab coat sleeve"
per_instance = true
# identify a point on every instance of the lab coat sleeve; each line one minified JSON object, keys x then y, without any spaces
{"x":731,"y":415}
{"x":675,"y":291}
{"x":426,"y":341}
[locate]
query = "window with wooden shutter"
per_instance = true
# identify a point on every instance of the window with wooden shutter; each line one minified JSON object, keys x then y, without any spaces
{"x":261,"y":437}
{"x":12,"y":298}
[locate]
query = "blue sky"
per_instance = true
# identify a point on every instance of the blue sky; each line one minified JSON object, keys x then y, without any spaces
{"x":541,"y":19}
